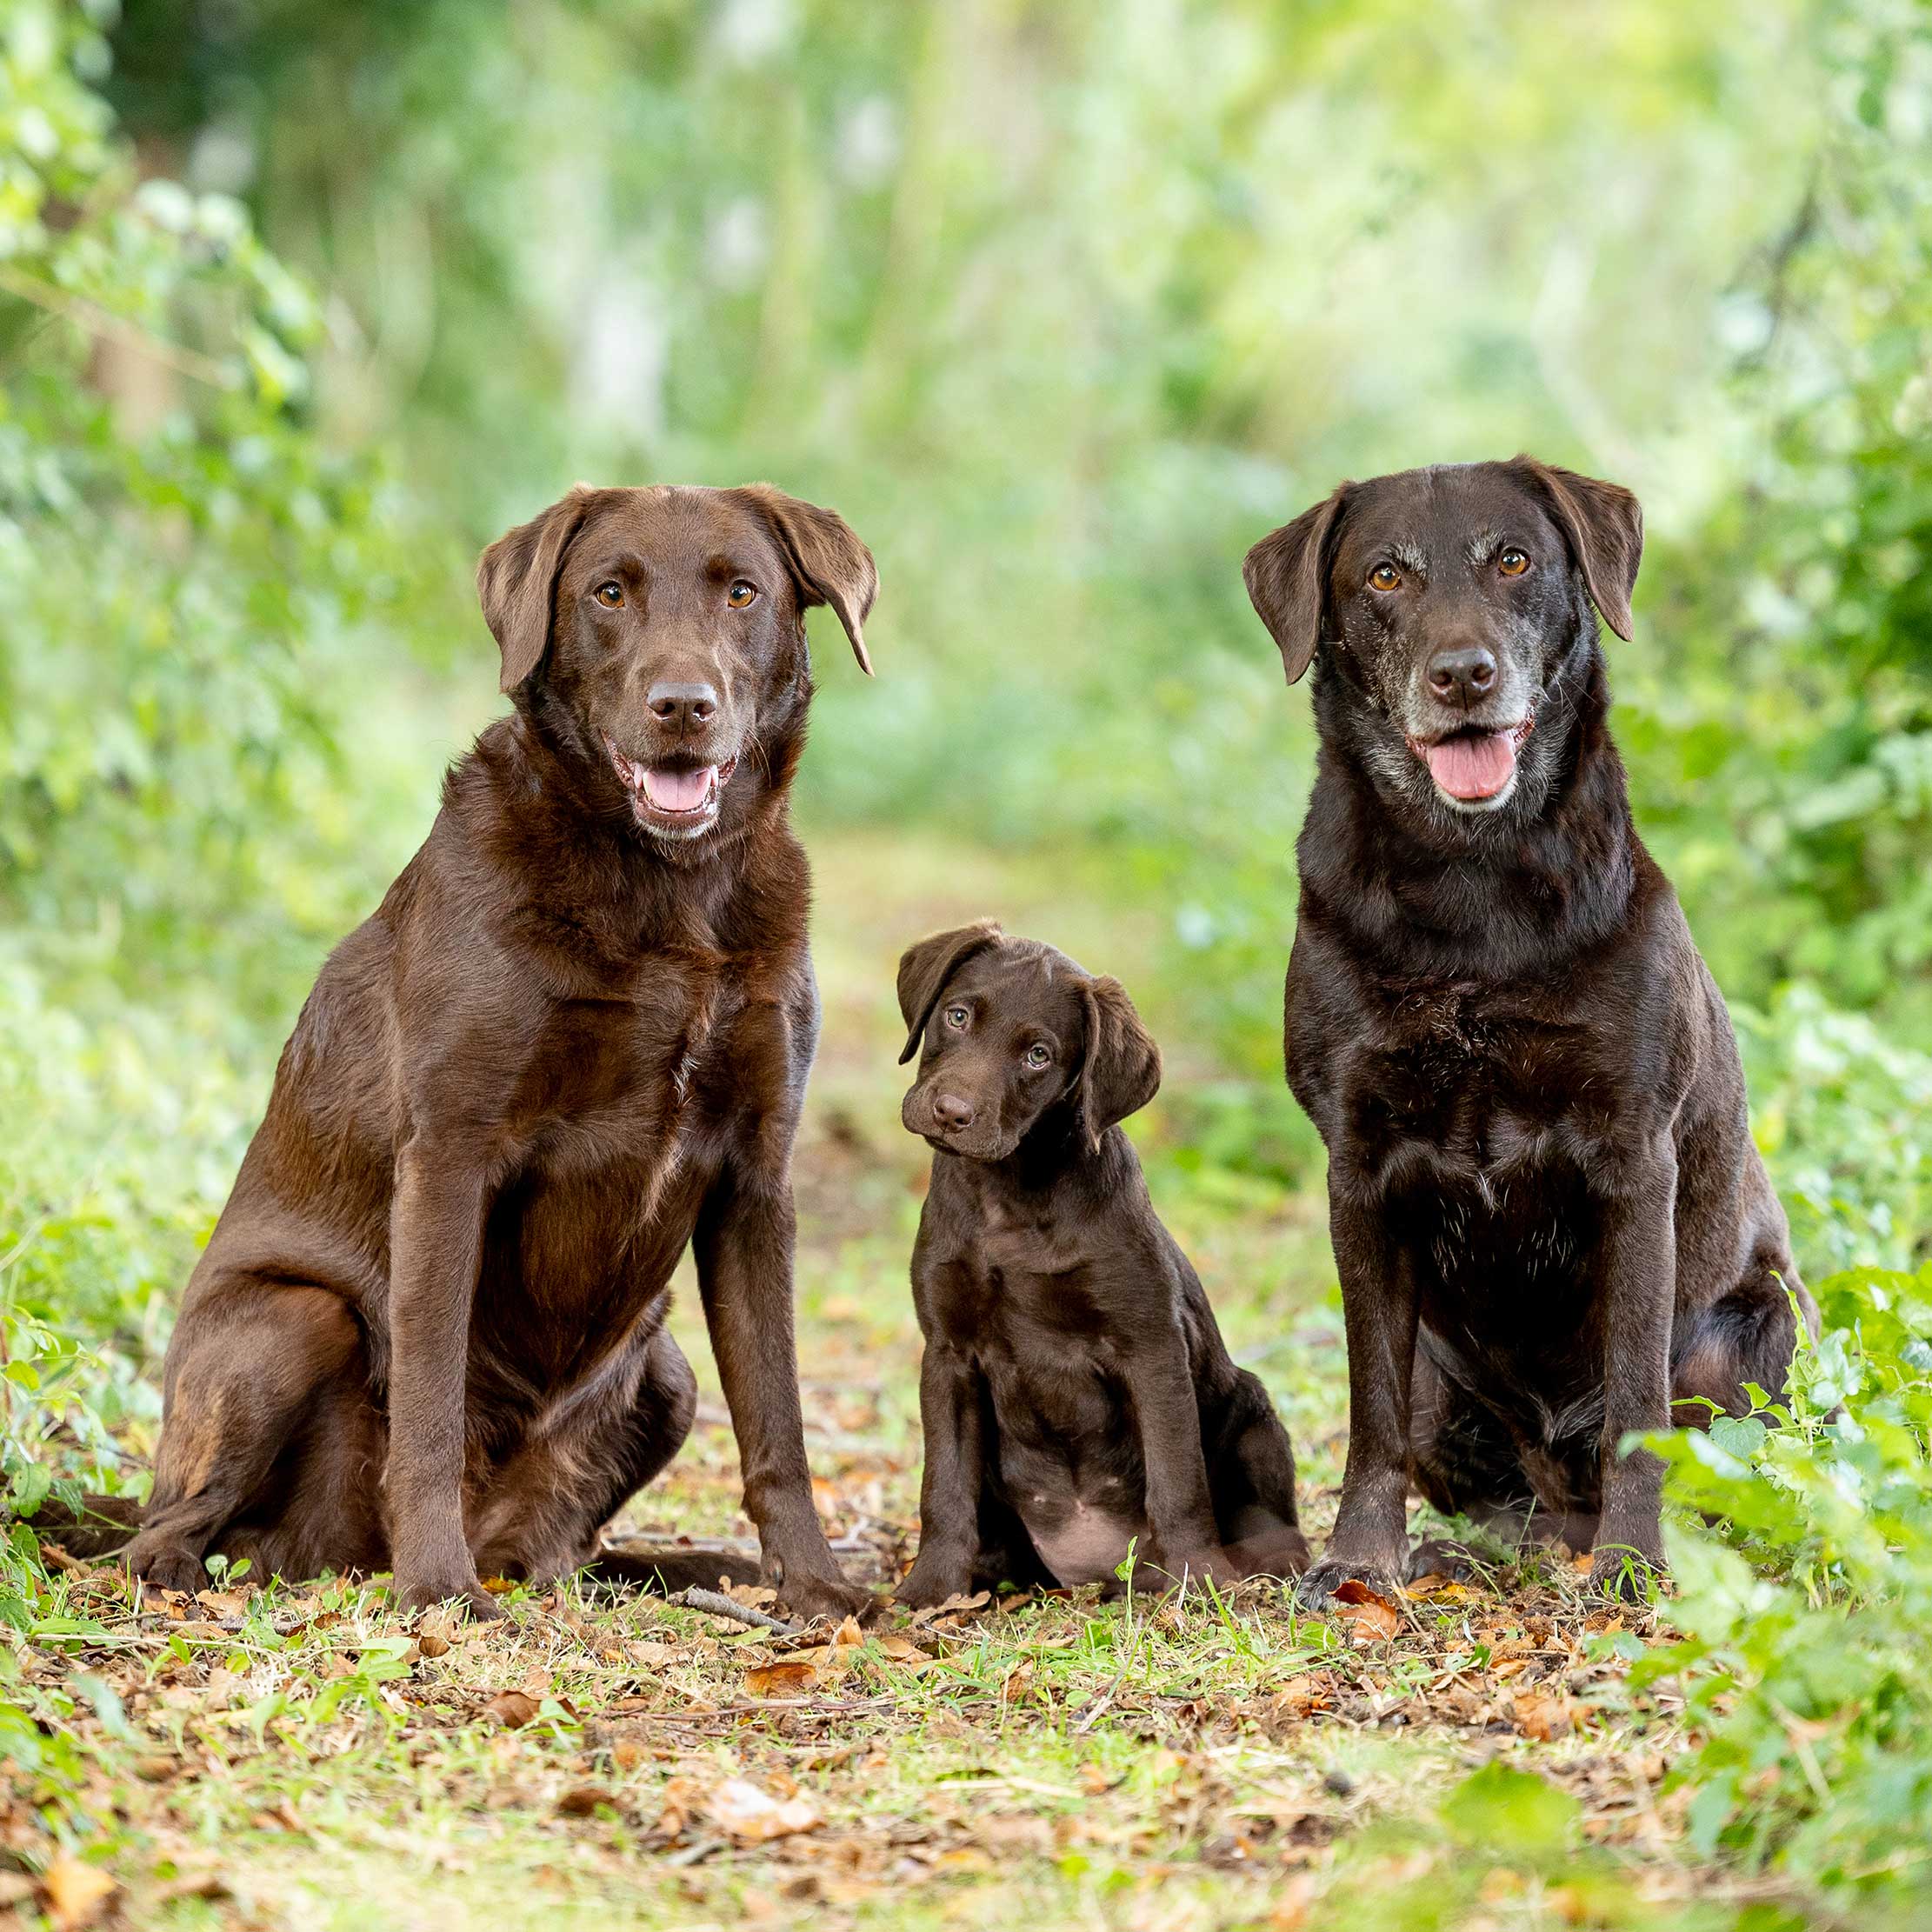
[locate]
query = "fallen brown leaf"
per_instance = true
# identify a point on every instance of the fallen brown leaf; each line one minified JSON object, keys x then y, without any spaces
{"x":78,"y":1893}
{"x":785,"y":1679}
{"x":511,"y":1708}
{"x":1541,"y":1715}
{"x":1370,"y":1611}
{"x":584,"y":1799}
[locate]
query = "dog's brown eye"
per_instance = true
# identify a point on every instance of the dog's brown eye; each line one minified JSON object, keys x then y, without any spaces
{"x":1038,"y":1057}
{"x":741,"y":594}
{"x":1513,"y":564}
{"x":1385,"y":577}
{"x":956,"y":1017}
{"x":610,"y":595}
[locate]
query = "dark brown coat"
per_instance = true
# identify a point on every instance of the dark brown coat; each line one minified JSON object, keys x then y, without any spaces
{"x":1550,"y":1221}
{"x":1078,"y":1400}
{"x":428,"y":1333}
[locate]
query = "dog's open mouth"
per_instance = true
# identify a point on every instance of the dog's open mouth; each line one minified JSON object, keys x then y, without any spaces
{"x":678,"y":800}
{"x":1473,"y":766}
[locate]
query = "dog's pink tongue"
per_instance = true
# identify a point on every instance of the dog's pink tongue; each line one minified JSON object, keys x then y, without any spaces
{"x":1473,"y":768}
{"x":678,"y":791}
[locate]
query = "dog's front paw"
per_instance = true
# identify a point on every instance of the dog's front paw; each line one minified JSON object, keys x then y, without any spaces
{"x":1317,"y":1588}
{"x":428,"y":1592}
{"x":1624,"y":1573}
{"x":809,"y":1595}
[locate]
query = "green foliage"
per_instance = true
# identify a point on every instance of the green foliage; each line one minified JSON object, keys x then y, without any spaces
{"x":187,"y":572}
{"x":189,"y":577}
{"x":1810,"y":1681}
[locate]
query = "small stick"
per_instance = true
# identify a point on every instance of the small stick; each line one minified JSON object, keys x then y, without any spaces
{"x":713,"y":1603}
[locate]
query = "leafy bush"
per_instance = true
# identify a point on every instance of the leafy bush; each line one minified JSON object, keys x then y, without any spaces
{"x":191,"y":583}
{"x":1805,"y":1614}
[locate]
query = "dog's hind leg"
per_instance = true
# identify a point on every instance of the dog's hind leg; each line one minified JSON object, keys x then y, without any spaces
{"x":244,"y":1383}
{"x":547,"y":1507}
{"x":1251,"y":1474}
{"x":1747,"y":1336}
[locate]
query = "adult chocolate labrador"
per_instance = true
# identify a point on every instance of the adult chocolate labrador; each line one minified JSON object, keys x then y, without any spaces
{"x":1078,"y":1400}
{"x":1550,"y":1221}
{"x":428,"y":1332}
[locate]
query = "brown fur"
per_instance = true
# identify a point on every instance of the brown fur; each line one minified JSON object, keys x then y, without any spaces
{"x":429,"y":1331}
{"x":1076,"y":1394}
{"x":1551,"y":1225}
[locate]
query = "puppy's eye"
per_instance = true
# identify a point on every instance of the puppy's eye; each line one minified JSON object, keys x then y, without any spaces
{"x":741,"y":594}
{"x":1037,"y":1057}
{"x":1513,"y":562}
{"x":610,"y":595}
{"x":1385,"y":577}
{"x":956,"y":1017}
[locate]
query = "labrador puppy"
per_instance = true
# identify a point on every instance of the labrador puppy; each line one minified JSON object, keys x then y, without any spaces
{"x":428,"y":1333}
{"x":1550,"y":1221}
{"x":1077,"y":1399}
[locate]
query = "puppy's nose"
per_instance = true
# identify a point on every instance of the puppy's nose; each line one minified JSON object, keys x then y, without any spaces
{"x":683,"y":705}
{"x":1462,"y":674}
{"x":951,"y":1112}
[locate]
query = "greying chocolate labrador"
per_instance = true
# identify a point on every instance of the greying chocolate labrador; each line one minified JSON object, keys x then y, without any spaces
{"x":1550,"y":1221}
{"x":428,"y":1332}
{"x":1078,"y":1398}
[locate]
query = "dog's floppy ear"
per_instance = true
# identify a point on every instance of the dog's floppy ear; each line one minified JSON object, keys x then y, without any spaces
{"x":1287,"y":575}
{"x":828,"y":562}
{"x":925,"y":968}
{"x":1121,"y":1071}
{"x":1602,"y":524}
{"x":516,"y":583}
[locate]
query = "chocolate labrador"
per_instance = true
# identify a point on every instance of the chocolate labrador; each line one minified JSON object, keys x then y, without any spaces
{"x":429,"y":1331}
{"x":1078,"y":1398}
{"x":1550,"y":1221}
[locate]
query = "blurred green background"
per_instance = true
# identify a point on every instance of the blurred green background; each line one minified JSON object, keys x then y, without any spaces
{"x":1063,"y":306}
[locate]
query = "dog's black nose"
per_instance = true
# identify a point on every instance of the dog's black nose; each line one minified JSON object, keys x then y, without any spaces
{"x":683,"y":705}
{"x":951,"y":1112}
{"x":1462,"y":674}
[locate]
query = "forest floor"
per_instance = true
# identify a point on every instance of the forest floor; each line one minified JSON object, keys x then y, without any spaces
{"x":1472,"y":1755}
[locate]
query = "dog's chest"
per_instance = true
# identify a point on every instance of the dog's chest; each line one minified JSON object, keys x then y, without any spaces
{"x":623,"y":1070}
{"x":1460,"y":1085}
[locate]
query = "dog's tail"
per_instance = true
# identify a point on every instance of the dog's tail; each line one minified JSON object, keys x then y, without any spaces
{"x":100,"y":1527}
{"x":665,"y":1572}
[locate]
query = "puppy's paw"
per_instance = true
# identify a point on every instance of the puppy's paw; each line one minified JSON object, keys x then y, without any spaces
{"x":1316,"y":1589}
{"x":926,"y":1586}
{"x":1169,"y":1569}
{"x":164,"y":1565}
{"x":1624,"y":1573}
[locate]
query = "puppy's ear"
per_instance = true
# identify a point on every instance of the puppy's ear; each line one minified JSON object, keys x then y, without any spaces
{"x":925,"y":968}
{"x":516,"y":583}
{"x":1121,"y":1071}
{"x":1602,"y":524}
{"x":1287,"y":575}
{"x":828,"y":564}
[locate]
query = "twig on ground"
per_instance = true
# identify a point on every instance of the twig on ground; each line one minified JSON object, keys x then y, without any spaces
{"x":713,"y":1603}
